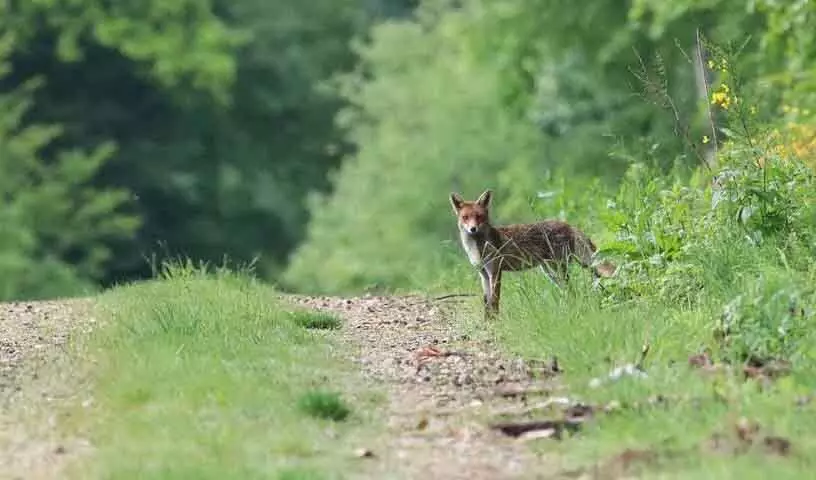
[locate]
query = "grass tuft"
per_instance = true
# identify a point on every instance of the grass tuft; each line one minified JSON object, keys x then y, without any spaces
{"x":316,"y":320}
{"x":324,"y":405}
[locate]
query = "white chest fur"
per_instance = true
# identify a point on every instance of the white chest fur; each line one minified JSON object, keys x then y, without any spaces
{"x":471,"y":247}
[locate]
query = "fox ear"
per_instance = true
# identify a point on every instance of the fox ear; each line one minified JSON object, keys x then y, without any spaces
{"x":456,"y":201}
{"x":484,"y":198}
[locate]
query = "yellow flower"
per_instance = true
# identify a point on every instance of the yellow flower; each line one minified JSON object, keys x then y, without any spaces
{"x":705,"y":139}
{"x":721,"y":99}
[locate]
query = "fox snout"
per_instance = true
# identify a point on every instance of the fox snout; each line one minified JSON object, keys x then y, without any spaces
{"x":471,"y":229}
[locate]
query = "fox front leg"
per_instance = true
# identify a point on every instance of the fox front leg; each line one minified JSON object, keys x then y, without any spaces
{"x":485,"y":285}
{"x":487,"y":288}
{"x":494,"y":285}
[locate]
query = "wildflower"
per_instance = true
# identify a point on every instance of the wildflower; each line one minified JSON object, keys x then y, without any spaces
{"x":722,"y":99}
{"x":706,"y":139}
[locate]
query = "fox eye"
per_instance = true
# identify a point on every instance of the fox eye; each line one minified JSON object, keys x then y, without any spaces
{"x":466,"y":217}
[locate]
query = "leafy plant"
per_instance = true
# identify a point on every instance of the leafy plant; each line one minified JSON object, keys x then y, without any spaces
{"x":769,"y":321}
{"x":655,"y":225}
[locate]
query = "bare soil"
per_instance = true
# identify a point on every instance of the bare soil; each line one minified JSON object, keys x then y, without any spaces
{"x":444,"y":391}
{"x":33,"y":338}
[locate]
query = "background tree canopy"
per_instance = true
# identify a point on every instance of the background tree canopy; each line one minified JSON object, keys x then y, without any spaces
{"x":323,"y":137}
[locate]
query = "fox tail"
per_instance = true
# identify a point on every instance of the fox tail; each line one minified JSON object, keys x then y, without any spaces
{"x":585,"y":251}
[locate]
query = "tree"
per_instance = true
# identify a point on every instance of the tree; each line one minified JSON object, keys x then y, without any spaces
{"x":55,"y":223}
{"x":216,"y":109}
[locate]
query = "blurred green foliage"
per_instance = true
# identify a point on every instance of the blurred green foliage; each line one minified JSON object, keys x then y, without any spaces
{"x":547,"y":102}
{"x":207,"y":118}
{"x":324,"y":137}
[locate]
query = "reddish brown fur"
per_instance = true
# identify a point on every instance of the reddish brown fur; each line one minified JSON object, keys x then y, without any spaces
{"x":550,"y":244}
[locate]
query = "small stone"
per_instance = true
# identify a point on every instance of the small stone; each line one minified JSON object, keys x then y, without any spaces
{"x":537,"y":434}
{"x":363,"y":453}
{"x":463,"y":379}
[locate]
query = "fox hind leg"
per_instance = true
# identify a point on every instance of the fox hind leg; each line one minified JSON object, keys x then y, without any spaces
{"x":495,"y":292}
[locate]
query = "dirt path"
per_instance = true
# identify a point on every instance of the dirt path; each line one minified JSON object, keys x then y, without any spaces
{"x":440,"y":406}
{"x":33,"y":337}
{"x":444,"y":390}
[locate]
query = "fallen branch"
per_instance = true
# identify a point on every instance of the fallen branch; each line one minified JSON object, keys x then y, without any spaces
{"x":455,"y":295}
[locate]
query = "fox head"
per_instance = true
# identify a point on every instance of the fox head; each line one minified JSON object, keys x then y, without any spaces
{"x":472,"y":217}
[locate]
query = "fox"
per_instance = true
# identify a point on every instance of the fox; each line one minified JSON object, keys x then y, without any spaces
{"x":547,"y":244}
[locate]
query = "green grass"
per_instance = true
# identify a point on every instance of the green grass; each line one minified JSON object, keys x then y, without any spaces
{"x":590,"y":338}
{"x":315,"y":320}
{"x":208,"y":376}
{"x":325,"y":405}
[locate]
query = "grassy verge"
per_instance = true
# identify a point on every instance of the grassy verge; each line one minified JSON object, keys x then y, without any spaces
{"x":684,"y":421}
{"x":208,"y":376}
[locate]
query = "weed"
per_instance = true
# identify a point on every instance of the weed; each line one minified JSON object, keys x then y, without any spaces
{"x":767,"y":321}
{"x":324,"y":405}
{"x":316,"y":320}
